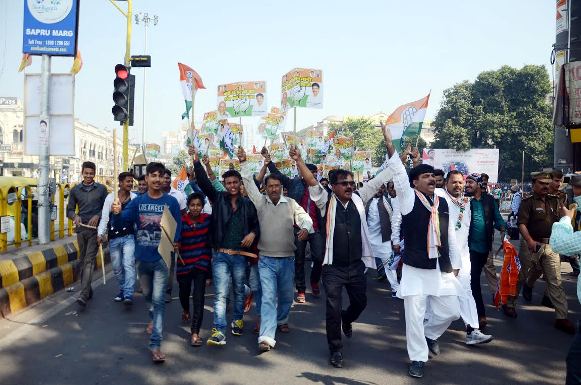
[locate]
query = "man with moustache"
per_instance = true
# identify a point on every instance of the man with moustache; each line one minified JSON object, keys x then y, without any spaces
{"x":429,"y":258}
{"x":460,"y":216}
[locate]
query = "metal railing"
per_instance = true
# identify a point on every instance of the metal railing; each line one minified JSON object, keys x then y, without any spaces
{"x":15,"y":196}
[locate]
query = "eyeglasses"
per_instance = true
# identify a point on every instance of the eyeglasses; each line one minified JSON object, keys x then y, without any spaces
{"x":346,"y":183}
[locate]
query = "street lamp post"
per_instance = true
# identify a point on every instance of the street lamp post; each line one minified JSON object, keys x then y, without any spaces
{"x":146,"y":19}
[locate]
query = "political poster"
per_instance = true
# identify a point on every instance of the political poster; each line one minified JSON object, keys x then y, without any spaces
{"x":343,"y":147}
{"x":302,"y":87}
{"x":210,"y":124}
{"x":229,"y":135}
{"x":242,"y":99}
{"x":272,"y":124}
{"x":255,"y":162}
{"x":467,"y":162}
{"x":278,"y":152}
{"x":362,"y":161}
{"x":291,"y":139}
{"x":286,"y":166}
{"x":229,"y":164}
{"x":152,"y":151}
{"x":214,"y":156}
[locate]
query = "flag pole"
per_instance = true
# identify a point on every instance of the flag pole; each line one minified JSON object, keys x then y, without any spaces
{"x":295,"y":120}
{"x":240,"y":133}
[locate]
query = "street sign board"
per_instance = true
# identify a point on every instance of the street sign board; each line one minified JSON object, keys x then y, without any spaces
{"x":50,"y":27}
{"x":141,"y":61}
{"x":8,"y":101}
{"x":5,"y":148}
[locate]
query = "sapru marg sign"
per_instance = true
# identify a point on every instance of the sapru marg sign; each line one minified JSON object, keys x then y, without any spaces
{"x":572,"y":95}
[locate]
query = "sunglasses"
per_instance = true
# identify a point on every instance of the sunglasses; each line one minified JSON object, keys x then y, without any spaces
{"x":346,"y":183}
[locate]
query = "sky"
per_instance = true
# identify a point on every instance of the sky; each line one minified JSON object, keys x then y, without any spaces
{"x":375,"y":54}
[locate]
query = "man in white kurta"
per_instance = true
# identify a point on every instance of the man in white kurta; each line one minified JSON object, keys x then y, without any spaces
{"x":423,"y":288}
{"x":459,"y":209}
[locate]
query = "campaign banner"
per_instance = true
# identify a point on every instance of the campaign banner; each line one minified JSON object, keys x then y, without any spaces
{"x":277,"y":151}
{"x":210,"y":123}
{"x":478,"y":160}
{"x":272,"y":124}
{"x":362,"y":161}
{"x":302,"y":87}
{"x":152,"y":151}
{"x":242,"y":99}
{"x":214,"y":156}
{"x":343,"y":147}
{"x":255,"y":162}
{"x":229,"y":164}
{"x":200,"y":140}
{"x":229,"y":135}
{"x":50,"y":27}
{"x":286,"y":167}
{"x":291,"y":139}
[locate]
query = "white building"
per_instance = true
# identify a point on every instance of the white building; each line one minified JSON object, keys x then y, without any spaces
{"x":91,"y":144}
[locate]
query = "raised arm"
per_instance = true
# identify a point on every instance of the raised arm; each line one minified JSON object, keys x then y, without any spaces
{"x":201,"y":176}
{"x":286,"y":181}
{"x":304,"y":171}
{"x":253,"y":193}
{"x":395,"y":223}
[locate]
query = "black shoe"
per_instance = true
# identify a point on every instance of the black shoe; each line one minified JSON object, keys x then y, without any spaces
{"x":82,"y":303}
{"x":336,"y":359}
{"x":416,"y":369}
{"x":433,"y":346}
{"x":547,"y":302}
{"x":347,"y":328}
{"x":90,"y":293}
{"x":527,"y":293}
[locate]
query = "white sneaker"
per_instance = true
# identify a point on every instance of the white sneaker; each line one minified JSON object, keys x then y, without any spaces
{"x":477,"y":337}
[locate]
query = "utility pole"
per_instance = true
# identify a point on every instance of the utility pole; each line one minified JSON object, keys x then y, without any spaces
{"x":128,"y":16}
{"x":145,"y":19}
{"x":44,"y":155}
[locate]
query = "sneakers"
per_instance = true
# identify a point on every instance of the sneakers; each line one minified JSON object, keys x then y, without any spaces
{"x":433,"y":346}
{"x":118,"y":297}
{"x":301,"y":297}
{"x":315,"y":289}
{"x":565,"y":325}
{"x":476,"y":337}
{"x":237,"y":327}
{"x":336,"y":359}
{"x":128,"y":301}
{"x":416,"y":369}
{"x":217,"y":338}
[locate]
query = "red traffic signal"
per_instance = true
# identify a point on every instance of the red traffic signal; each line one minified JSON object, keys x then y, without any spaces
{"x":121,"y":71}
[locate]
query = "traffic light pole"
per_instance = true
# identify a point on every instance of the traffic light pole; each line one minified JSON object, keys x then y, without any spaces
{"x":128,"y":15}
{"x":44,"y":156}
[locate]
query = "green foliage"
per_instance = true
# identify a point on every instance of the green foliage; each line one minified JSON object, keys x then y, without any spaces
{"x":181,"y":159}
{"x":505,"y":109}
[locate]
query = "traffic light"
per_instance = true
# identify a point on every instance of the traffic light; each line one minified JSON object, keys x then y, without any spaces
{"x":123,"y":91}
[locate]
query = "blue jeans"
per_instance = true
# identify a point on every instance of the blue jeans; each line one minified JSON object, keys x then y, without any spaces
{"x":224,"y":268}
{"x":254,"y":283}
{"x":153,"y":277}
{"x":277,"y":281}
{"x":122,"y":252}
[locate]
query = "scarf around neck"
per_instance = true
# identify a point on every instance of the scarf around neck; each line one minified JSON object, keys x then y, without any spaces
{"x":434,"y":226}
{"x":461,"y":204}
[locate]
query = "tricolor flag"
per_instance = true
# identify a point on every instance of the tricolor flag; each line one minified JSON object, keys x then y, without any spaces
{"x":25,"y":62}
{"x":191,"y":82}
{"x":406,"y":121}
{"x":181,"y":180}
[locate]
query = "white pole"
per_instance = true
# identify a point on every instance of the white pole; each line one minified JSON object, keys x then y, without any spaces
{"x":44,"y":156}
{"x":144,"y":84}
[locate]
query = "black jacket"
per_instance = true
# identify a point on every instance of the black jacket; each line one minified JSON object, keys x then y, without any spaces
{"x":222,"y":210}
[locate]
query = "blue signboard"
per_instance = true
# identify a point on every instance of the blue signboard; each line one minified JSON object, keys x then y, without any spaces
{"x":50,"y":27}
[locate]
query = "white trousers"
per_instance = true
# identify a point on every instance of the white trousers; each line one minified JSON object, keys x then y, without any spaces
{"x":390,"y":274}
{"x":468,"y":310}
{"x":443,"y":310}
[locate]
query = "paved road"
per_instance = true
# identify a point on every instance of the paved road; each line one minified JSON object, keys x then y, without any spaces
{"x":53,"y":344}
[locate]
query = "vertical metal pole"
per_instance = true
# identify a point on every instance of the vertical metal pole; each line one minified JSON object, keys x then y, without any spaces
{"x":44,"y":156}
{"x":295,"y":120}
{"x":522,"y":175}
{"x":144,"y":85}
{"x":127,"y":63}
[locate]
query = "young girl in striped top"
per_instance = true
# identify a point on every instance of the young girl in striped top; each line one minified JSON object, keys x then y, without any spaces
{"x":195,"y":265}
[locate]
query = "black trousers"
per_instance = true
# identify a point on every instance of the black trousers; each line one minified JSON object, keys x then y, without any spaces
{"x":574,"y":360}
{"x":334,"y":279}
{"x":477,"y":260}
{"x":317,"y":243}
{"x":198,"y":277}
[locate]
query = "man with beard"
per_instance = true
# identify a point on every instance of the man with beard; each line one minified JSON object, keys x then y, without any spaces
{"x":439,"y":175}
{"x":460,"y":216}
{"x":485,"y":218}
{"x":429,"y":259}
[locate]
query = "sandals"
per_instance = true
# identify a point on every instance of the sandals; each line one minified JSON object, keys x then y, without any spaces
{"x":196,"y":342}
{"x":157,"y":356}
{"x":301,"y":297}
{"x":149,"y":328}
{"x":185,"y":316}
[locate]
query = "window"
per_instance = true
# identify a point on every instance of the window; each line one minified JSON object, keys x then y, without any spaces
{"x":15,"y":136}
{"x":21,"y":136}
{"x":1,"y":135}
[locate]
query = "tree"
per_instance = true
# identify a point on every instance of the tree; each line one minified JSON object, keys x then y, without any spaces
{"x":178,"y":161}
{"x":505,"y":109}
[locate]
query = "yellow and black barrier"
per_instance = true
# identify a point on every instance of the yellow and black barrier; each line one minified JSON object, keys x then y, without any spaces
{"x":27,"y":279}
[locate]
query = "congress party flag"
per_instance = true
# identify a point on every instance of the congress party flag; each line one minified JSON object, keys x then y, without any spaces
{"x":242,"y":99}
{"x":181,"y":180}
{"x":191,"y":82}
{"x":406,"y":121}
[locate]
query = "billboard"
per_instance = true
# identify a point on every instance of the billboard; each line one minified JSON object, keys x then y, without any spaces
{"x":50,"y":27}
{"x":302,"y":87}
{"x":242,"y":99}
{"x":467,"y":162}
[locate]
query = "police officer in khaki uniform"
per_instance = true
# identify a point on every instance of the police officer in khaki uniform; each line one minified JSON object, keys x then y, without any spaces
{"x":536,"y":216}
{"x":557,"y":178}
